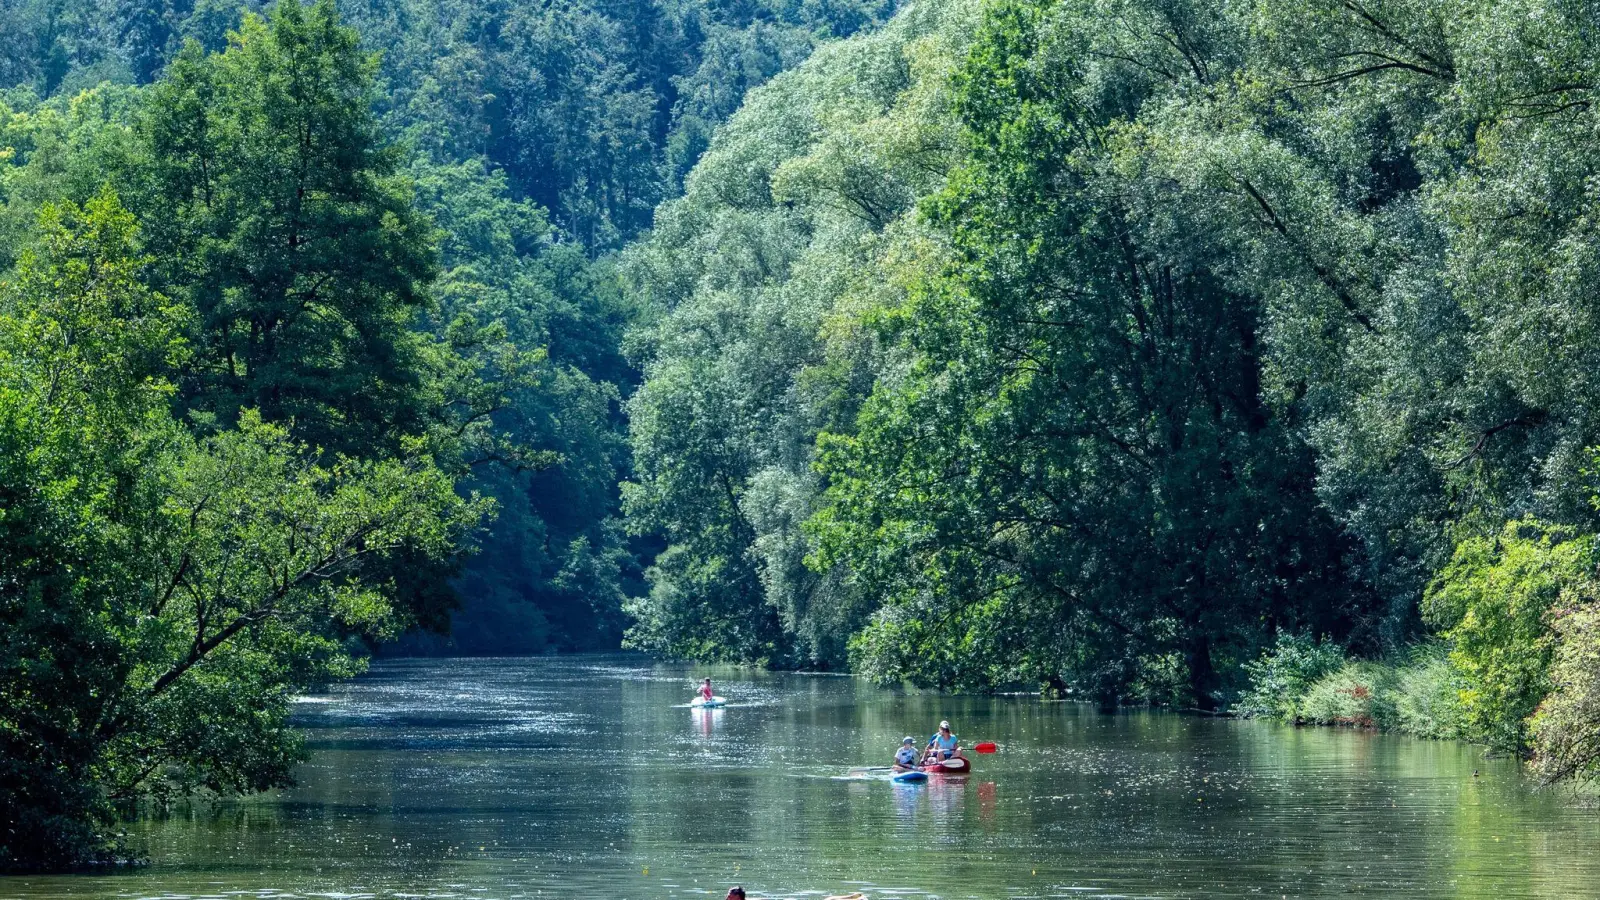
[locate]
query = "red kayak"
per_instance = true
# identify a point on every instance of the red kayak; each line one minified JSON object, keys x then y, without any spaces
{"x":956,"y":765}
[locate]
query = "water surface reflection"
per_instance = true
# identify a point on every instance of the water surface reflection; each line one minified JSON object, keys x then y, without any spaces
{"x":564,"y":777}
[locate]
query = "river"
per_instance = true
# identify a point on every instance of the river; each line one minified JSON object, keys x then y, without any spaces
{"x":587,"y":777}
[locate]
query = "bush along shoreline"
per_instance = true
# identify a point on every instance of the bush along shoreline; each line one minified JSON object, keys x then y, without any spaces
{"x":1515,"y":665}
{"x":1305,"y":682}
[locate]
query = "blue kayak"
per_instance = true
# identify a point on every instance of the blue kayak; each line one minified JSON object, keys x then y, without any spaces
{"x":910,"y":777}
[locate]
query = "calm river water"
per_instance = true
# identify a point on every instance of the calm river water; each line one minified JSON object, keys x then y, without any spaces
{"x":585,"y":776}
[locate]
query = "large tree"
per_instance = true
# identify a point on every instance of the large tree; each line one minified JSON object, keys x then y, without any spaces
{"x":272,"y":207}
{"x":166,"y":595}
{"x":1080,"y":479}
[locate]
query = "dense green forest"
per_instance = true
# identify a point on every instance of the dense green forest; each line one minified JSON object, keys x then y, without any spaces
{"x":1162,"y":351}
{"x":312,"y":350}
{"x":537,"y":137}
{"x":1146,"y":351}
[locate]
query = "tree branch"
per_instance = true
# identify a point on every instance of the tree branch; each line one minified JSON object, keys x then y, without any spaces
{"x":1322,"y":273}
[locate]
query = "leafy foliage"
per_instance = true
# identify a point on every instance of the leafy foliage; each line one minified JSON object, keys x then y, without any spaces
{"x":791,"y":219}
{"x":1299,"y":681}
{"x":273,"y":210}
{"x":1080,"y":467}
{"x":1494,"y":601}
{"x":1428,"y":694}
{"x":82,"y":344}
{"x":544,"y":329}
{"x":1566,"y":728}
{"x":1358,"y":694}
{"x":540,"y":136}
{"x":1280,"y":677}
{"x":167,"y":595}
{"x":594,"y":109}
{"x":1215,"y":321}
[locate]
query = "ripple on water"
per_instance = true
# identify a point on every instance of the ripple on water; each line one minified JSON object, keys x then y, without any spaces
{"x":575,"y":776}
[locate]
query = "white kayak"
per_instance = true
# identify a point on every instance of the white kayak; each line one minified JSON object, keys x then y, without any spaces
{"x":703,"y":703}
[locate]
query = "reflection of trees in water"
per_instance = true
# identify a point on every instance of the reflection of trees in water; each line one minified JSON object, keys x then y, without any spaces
{"x":1137,"y":803}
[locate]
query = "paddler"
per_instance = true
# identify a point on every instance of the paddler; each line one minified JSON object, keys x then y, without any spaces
{"x":705,"y":690}
{"x":943,"y":744}
{"x":905,"y":758}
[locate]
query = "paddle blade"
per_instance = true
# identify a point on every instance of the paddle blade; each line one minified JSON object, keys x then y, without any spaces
{"x":986,"y":747}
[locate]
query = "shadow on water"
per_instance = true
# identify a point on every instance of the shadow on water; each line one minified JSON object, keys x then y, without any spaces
{"x":560,"y":777}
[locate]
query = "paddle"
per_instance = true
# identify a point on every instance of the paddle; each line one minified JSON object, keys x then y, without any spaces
{"x":980,"y":747}
{"x":862,"y":770}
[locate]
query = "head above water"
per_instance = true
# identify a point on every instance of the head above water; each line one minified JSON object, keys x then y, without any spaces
{"x":735,"y":892}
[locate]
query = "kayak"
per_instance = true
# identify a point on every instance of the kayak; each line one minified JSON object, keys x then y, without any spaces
{"x":956,"y":765}
{"x":703,"y":703}
{"x":910,"y":777}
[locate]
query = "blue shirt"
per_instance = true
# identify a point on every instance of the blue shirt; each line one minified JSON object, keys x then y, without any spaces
{"x":943,"y":743}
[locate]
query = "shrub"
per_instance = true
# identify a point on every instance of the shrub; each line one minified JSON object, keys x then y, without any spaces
{"x":1493,"y":601}
{"x":1299,"y":680}
{"x":1428,"y":694}
{"x":1280,"y":678}
{"x":1566,"y":729}
{"x":1359,"y":694}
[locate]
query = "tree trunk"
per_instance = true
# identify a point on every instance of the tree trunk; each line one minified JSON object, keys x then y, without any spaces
{"x":1202,"y":675}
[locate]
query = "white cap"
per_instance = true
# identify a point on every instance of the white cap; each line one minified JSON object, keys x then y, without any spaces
{"x":944,"y":724}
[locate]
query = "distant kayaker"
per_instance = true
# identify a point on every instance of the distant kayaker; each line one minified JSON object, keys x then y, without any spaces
{"x":705,"y":690}
{"x":943,"y":744}
{"x":906,"y":756}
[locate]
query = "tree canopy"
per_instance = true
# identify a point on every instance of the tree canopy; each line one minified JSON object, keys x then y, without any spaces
{"x":1206,"y":322}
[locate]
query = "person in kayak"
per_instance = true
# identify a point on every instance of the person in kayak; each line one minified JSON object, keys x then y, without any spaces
{"x":705,"y":690}
{"x":943,"y":745}
{"x":905,"y":759}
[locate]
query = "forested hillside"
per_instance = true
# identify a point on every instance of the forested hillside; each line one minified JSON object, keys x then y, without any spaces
{"x":539,"y":137}
{"x":811,"y":430}
{"x":785,"y":241}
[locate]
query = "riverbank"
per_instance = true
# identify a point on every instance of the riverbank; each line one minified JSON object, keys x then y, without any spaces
{"x":1302,"y":682}
{"x":1435,"y":690}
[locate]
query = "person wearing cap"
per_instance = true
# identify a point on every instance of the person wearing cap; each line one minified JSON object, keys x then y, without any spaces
{"x":906,"y":756}
{"x":943,"y":744}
